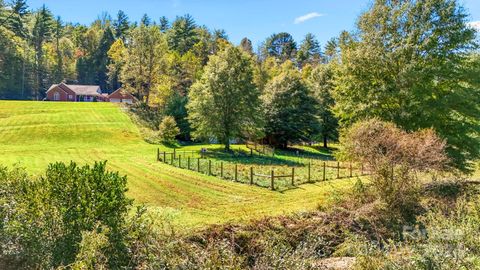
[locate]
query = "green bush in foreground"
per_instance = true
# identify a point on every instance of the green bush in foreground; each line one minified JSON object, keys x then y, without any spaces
{"x":76,"y":218}
{"x":43,"y":221}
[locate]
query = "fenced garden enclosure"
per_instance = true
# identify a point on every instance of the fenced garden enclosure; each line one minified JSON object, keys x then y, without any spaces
{"x":261,"y":170}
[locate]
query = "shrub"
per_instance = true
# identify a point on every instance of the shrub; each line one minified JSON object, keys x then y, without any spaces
{"x":395,"y":158}
{"x":168,"y":129}
{"x":91,"y":250}
{"x":44,"y":221}
{"x":446,"y":241}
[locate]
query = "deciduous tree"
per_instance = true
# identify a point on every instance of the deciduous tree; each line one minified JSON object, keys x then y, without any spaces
{"x":321,"y":83}
{"x":290,"y":109}
{"x":224,"y":103}
{"x":144,"y":62}
{"x":409,"y":65}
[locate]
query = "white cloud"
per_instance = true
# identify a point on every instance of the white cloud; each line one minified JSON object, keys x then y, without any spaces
{"x":307,"y":17}
{"x":475,"y":25}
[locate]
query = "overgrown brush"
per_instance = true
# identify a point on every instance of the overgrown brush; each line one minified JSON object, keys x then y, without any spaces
{"x":79,"y":218}
{"x":395,"y":159}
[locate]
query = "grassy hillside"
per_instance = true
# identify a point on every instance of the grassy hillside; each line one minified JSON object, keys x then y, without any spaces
{"x":34,"y":134}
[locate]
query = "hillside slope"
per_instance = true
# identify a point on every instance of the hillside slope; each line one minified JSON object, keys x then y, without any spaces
{"x":34,"y":134}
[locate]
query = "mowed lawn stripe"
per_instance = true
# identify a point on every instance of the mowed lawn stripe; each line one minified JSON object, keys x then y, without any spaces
{"x":35,"y":134}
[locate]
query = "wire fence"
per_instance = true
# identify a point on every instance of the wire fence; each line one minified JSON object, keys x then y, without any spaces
{"x":272,"y":176}
{"x":261,"y":148}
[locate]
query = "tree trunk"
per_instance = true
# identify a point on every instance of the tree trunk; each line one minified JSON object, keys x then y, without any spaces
{"x":227,"y":145}
{"x":325,"y":142}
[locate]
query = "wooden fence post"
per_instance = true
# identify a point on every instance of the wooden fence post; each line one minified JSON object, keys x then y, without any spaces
{"x":351,"y":173}
{"x":251,"y":175}
{"x":180,"y":161}
{"x":164,"y":156}
{"x":236,"y":173}
{"x":174,"y":153}
{"x":188,"y":162}
{"x":272,"y":181}
{"x":338,"y":170}
{"x":324,"y":171}
{"x":309,"y":168}
{"x":362,"y":170}
{"x":251,"y":152}
{"x":198,"y":164}
{"x":221,"y":169}
{"x":158,"y":154}
{"x":171,"y":160}
{"x":209,"y":167}
{"x":293,"y":176}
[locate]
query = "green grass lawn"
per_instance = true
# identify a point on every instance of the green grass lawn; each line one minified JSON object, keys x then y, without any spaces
{"x":34,"y":134}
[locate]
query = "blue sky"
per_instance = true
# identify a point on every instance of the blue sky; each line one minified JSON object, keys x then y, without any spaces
{"x":239,"y":18}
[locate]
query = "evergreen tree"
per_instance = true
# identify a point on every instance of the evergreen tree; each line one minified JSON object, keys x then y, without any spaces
{"x":145,"y":20}
{"x":309,"y":51}
{"x":121,"y":25}
{"x":164,"y":24}
{"x":331,"y":49}
{"x":101,"y":60}
{"x":41,"y":33}
{"x":58,"y":69}
{"x":182,"y":35}
{"x":16,"y":20}
{"x":281,"y":46}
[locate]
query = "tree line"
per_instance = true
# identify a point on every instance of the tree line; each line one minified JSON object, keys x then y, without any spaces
{"x":413,"y":63}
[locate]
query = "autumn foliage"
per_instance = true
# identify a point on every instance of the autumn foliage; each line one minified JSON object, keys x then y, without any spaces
{"x":395,"y":158}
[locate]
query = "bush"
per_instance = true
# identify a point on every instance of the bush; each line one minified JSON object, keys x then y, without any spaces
{"x":168,"y":130}
{"x":445,"y":241}
{"x":44,"y":221}
{"x":394,"y":158}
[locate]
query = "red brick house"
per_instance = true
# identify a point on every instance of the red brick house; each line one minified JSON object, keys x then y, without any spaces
{"x":71,"y":92}
{"x":121,"y":96}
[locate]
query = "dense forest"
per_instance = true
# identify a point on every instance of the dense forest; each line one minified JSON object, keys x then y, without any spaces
{"x":413,"y":63}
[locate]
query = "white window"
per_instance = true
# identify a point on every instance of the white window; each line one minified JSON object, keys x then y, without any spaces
{"x":70,"y":97}
{"x":56,"y":96}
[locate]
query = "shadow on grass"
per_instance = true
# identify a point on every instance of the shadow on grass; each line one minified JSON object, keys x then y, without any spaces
{"x":316,"y":152}
{"x":175,"y":144}
{"x":243,"y":157}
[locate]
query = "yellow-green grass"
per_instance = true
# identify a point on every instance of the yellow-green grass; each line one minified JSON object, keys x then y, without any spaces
{"x":34,"y":134}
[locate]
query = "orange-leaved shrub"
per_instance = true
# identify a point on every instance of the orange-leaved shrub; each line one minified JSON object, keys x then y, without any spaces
{"x":395,"y":159}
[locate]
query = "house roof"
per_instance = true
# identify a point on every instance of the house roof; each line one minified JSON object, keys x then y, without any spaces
{"x":84,"y":90}
{"x":121,"y":93}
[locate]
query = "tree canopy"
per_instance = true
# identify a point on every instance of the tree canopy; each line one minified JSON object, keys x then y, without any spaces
{"x":290,"y":109}
{"x":225,"y":104}
{"x":409,"y":63}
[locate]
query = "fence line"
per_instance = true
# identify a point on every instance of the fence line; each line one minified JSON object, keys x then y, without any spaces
{"x":260,"y":148}
{"x":264,"y":176}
